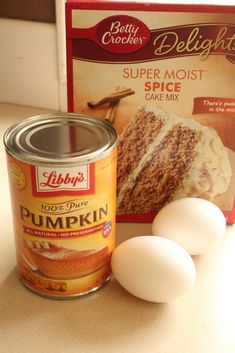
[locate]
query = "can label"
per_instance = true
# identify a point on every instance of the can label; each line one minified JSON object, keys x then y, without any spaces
{"x":49,"y":181}
{"x":64,"y":220}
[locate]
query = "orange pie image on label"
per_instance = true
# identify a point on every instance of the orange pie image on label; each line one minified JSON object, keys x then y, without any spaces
{"x":62,"y":263}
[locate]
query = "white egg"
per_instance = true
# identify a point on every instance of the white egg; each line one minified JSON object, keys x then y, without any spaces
{"x":196,"y":224}
{"x":153,"y":268}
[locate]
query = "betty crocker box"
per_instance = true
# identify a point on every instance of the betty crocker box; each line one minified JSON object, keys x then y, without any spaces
{"x":163,"y":75}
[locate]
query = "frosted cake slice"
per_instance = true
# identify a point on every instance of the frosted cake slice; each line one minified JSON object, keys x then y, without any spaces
{"x":162,"y":157}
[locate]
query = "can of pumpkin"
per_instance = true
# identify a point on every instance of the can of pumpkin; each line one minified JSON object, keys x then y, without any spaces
{"x":62,"y":176}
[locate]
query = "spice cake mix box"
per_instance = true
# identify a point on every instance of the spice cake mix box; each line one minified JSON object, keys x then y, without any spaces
{"x":164,"y":76}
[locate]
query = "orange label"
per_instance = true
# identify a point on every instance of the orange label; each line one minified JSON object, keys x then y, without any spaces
{"x":64,"y":221}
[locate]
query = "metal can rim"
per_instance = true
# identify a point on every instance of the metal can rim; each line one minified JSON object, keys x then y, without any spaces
{"x":14,"y":145}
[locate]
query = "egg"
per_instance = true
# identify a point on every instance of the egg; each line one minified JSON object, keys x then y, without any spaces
{"x":194,"y":223}
{"x":152,"y":268}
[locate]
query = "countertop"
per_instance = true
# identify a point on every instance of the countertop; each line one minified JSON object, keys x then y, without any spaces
{"x":110,"y":319}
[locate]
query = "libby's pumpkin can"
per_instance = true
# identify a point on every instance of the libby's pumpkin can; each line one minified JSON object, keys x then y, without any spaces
{"x":62,"y":176}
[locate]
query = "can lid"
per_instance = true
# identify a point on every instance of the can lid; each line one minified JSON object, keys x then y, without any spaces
{"x":60,"y":139}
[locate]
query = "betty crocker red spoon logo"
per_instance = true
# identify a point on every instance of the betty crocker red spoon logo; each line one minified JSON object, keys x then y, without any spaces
{"x":118,"y":34}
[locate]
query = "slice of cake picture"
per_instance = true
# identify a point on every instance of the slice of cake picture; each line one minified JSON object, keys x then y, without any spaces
{"x":163,"y":157}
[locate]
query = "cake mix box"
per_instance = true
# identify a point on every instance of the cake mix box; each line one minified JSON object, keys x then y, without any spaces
{"x":164,"y":76}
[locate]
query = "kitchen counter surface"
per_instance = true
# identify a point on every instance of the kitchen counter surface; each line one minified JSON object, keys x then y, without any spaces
{"x":111,"y":320}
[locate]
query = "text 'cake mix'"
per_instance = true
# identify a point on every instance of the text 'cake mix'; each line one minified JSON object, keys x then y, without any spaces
{"x":164,"y":76}
{"x":62,"y":175}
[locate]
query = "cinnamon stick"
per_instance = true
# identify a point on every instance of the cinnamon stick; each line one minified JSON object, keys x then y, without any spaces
{"x":111,"y":111}
{"x":115,"y":96}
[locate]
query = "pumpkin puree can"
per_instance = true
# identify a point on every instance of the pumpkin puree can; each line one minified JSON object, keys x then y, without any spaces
{"x":62,"y":176}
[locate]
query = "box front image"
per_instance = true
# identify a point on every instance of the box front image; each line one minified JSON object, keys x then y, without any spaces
{"x":163,"y":75}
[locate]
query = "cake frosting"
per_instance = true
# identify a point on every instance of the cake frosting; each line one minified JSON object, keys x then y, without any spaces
{"x":162,"y":157}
